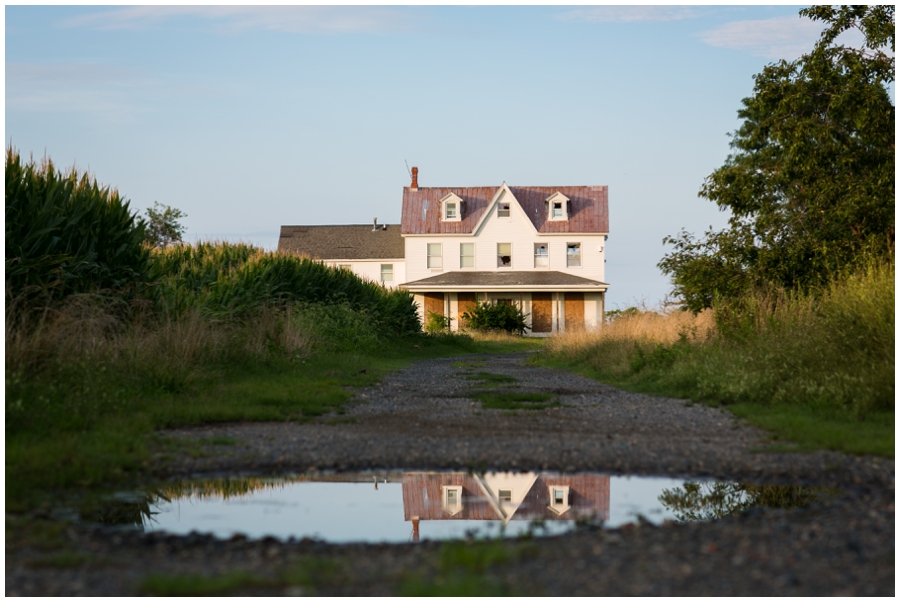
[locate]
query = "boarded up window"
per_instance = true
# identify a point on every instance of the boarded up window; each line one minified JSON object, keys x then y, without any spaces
{"x":466,"y":303}
{"x":574,"y":312}
{"x":541,"y":312}
{"x":434,"y":303}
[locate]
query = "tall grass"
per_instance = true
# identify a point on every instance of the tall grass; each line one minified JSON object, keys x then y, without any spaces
{"x":828,"y":351}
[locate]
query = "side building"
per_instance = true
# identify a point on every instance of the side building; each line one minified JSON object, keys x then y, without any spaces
{"x":541,"y":248}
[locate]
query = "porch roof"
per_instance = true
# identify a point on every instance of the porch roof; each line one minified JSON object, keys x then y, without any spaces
{"x":505,"y":280}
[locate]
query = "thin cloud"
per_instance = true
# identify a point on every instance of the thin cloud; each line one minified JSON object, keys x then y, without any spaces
{"x":777,"y":38}
{"x":236,"y":19}
{"x":631,"y":14}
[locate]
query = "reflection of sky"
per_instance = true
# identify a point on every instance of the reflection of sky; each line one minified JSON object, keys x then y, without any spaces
{"x":345,"y":512}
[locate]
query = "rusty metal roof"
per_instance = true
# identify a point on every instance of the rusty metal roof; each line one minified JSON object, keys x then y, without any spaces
{"x":343,"y":242}
{"x":588,"y":209}
{"x":533,"y":279}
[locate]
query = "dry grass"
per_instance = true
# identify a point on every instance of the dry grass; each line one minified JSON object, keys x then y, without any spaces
{"x":87,"y":331}
{"x":613,"y":345}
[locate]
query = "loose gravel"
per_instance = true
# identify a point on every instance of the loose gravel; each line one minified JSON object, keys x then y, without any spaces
{"x":426,"y":417}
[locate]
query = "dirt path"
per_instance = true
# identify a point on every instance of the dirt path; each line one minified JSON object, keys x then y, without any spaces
{"x":426,"y":417}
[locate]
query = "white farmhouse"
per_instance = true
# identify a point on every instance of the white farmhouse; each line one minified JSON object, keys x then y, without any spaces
{"x":541,"y":248}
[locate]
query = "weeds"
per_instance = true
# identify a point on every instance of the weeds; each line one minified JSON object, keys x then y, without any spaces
{"x":817,"y":368}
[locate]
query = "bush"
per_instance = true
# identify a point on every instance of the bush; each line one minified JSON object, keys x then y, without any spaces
{"x":435,"y":323}
{"x":502,"y":316}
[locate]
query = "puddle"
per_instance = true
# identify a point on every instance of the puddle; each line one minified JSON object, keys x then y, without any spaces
{"x":412,"y":506}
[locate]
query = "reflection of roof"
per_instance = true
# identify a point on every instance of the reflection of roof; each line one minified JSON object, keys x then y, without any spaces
{"x":507,"y":278}
{"x":588,"y":496}
{"x":343,"y":242}
{"x":587,"y":209}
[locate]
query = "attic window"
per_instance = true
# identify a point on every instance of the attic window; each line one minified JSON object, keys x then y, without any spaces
{"x":502,"y":209}
{"x":505,"y":495}
{"x":558,"y":207}
{"x":451,"y":208}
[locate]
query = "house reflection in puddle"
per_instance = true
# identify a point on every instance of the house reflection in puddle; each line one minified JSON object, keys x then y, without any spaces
{"x":503,"y":496}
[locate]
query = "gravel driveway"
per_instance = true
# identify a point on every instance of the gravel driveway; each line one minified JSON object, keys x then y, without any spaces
{"x":425,"y":417}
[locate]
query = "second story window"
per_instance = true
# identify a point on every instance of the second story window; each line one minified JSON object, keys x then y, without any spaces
{"x":504,"y":255}
{"x":387,"y":273}
{"x":541,"y":255}
{"x":502,"y":209}
{"x":467,"y":255}
{"x":573,"y":255}
{"x":435,"y":257}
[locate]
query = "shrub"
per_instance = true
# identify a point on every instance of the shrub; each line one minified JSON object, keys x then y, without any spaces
{"x":502,"y":316}
{"x":435,"y":323}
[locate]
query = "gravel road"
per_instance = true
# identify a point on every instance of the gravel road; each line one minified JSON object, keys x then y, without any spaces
{"x":426,"y":418}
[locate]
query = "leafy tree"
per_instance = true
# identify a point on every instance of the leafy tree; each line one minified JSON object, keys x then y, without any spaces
{"x":163,"y":227}
{"x":810,"y":184}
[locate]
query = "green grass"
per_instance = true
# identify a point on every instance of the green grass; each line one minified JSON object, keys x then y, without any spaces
{"x":514,"y":400}
{"x":311,"y":573}
{"x":491,"y":378}
{"x":463,"y":570}
{"x":816,"y":370}
{"x":95,"y":431}
{"x":199,"y":585}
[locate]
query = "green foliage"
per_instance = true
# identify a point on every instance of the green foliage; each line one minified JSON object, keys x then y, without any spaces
{"x":816,"y":368}
{"x":715,"y":500}
{"x":501,"y":316}
{"x":65,"y":234}
{"x":235,"y":280}
{"x":810,"y":185}
{"x":435,"y":323}
{"x":163,"y":227}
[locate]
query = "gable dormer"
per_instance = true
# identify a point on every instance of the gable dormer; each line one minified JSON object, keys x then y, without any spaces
{"x":451,"y":208}
{"x":557,"y":207}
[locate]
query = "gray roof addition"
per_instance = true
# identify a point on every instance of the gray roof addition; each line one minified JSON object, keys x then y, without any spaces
{"x":343,"y":242}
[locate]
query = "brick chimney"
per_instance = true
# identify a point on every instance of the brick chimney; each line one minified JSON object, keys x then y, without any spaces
{"x":415,"y":178}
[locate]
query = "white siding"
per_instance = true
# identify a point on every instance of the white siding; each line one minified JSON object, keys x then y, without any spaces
{"x":517,"y":230}
{"x":371,"y":269}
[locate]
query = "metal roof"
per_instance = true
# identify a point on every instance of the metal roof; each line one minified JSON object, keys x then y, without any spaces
{"x":506,"y":279}
{"x":343,"y":242}
{"x":588,"y":209}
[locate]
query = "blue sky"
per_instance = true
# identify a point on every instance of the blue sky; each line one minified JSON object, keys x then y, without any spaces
{"x":249,"y":118}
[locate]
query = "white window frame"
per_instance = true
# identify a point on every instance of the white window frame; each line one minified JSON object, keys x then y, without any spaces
{"x":499,"y":264}
{"x":558,"y":198}
{"x":545,"y":257}
{"x":455,"y":507}
{"x":434,"y":262}
{"x":457,"y":204}
{"x":462,"y":246}
{"x":503,"y":209}
{"x":389,"y":271}
{"x":569,"y":256}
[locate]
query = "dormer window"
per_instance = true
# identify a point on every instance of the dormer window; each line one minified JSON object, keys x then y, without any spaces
{"x":451,"y":208}
{"x":557,"y":207}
